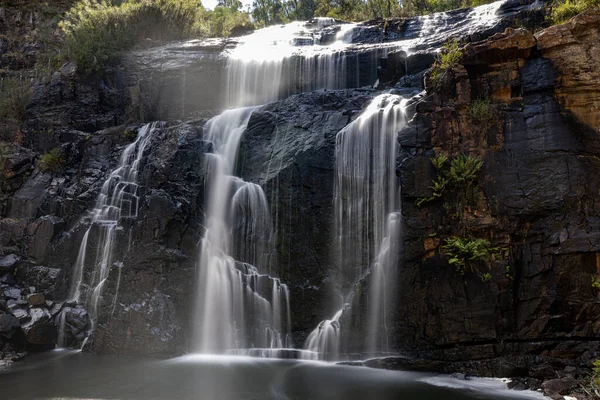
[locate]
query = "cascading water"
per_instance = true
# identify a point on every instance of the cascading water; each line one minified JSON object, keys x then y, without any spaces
{"x":367,"y":216}
{"x":275,"y":62}
{"x":238,"y":305}
{"x":118,"y":199}
{"x":278,"y":61}
{"x":323,"y":343}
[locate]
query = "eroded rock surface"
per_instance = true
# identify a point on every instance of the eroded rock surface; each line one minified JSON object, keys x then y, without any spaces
{"x":539,"y":201}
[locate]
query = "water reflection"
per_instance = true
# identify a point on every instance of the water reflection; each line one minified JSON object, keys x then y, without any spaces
{"x":75,"y":375}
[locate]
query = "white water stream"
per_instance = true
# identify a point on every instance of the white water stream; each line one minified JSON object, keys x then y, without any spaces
{"x":238,"y":305}
{"x":118,"y":199}
{"x":367,"y":217}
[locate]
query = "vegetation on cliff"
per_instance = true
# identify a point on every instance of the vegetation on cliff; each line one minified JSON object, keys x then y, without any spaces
{"x":449,"y":57}
{"x":97,"y":32}
{"x":459,"y":177}
{"x":277,"y":11}
{"x":563,"y":10}
{"x":15,"y":93}
{"x":466,"y":253}
{"x":52,"y":161}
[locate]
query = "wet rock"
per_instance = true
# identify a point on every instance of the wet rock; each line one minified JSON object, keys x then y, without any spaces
{"x":75,"y":322}
{"x":9,"y":325}
{"x":36,"y":299}
{"x":559,"y":387}
{"x":49,"y":281}
{"x":12,"y":293}
{"x":542,"y":371}
{"x":459,"y":376}
{"x":8,"y":263}
{"x":517,"y":384}
{"x":40,"y":331}
{"x":42,"y":232}
{"x":26,"y":201}
{"x":7,"y":279}
{"x":398,"y":64}
{"x":154,"y":322}
{"x":288,"y":148}
{"x":21,"y":314}
{"x":55,"y":308}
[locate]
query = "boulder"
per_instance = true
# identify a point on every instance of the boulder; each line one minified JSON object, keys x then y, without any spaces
{"x":40,"y":331}
{"x":9,"y":325}
{"x":12,"y":293}
{"x":560,"y":386}
{"x":21,"y":314}
{"x":36,"y":299}
{"x":8,"y":263}
{"x":41,"y":233}
{"x":50,"y":282}
{"x":75,"y":323}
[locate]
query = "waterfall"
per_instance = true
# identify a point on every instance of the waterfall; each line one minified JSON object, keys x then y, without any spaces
{"x":278,"y":61}
{"x":366,"y":186}
{"x":324,"y":342}
{"x":118,"y":199}
{"x":367,"y":217}
{"x":239,"y":305}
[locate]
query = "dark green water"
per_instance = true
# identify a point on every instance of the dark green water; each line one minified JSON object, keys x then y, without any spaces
{"x":73,"y":375}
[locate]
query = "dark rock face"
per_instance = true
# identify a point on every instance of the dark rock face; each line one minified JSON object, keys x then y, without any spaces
{"x":75,"y":322}
{"x":161,"y":257}
{"x":538,"y":203}
{"x":177,"y":81}
{"x":49,"y":281}
{"x":40,"y":331}
{"x":288,"y":148}
{"x":67,"y":107}
{"x":147,"y":303}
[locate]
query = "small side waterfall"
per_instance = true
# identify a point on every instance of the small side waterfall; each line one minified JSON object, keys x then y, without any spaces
{"x":118,"y":199}
{"x":239,"y":306}
{"x":368,"y":218}
{"x":323,"y":343}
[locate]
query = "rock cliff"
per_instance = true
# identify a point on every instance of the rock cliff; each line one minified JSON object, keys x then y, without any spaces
{"x":539,"y":202}
{"x":538,"y":314}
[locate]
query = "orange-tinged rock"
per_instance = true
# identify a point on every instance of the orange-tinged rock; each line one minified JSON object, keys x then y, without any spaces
{"x":574,"y":48}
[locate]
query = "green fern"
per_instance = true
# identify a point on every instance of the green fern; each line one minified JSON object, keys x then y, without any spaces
{"x":449,"y":57}
{"x":464,"y":252}
{"x":464,"y":170}
{"x":439,"y":161}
